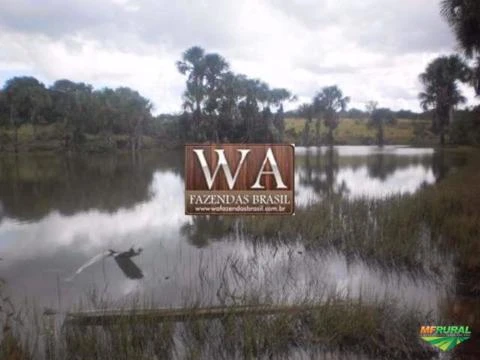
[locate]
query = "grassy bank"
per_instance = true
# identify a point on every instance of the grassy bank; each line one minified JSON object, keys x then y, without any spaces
{"x":49,"y":138}
{"x":349,"y":132}
{"x":357,"y":132}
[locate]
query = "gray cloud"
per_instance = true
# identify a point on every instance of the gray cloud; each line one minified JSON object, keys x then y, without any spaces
{"x":299,"y":44}
{"x":405,"y":27}
{"x":332,"y":69}
{"x":125,"y":25}
{"x":379,"y":25}
{"x":393,"y":26}
{"x":56,"y":18}
{"x":384,"y":25}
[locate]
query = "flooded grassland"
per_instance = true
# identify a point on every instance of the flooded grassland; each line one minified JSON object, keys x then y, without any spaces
{"x":383,"y":240}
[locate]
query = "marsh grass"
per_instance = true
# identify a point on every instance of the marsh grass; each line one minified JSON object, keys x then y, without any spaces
{"x":377,"y":330}
{"x":398,"y":231}
{"x":330,"y":323}
{"x":385,"y":232}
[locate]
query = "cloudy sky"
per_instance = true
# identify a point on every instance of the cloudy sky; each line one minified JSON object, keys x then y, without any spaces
{"x":373,"y":49}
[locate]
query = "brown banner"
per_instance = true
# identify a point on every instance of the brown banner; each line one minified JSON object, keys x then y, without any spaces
{"x":239,"y":179}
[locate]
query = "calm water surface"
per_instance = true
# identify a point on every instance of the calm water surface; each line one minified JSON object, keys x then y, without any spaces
{"x":58,"y":212}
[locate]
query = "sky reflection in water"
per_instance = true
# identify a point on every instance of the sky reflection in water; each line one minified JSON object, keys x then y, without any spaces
{"x":39,"y":252}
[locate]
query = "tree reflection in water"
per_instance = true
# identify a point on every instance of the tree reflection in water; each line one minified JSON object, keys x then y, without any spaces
{"x":31,"y":186}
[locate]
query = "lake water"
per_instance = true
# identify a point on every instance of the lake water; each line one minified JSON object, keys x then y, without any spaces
{"x":57,"y":212}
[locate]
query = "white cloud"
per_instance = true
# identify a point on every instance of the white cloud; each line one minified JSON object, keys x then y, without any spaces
{"x":372,"y":49}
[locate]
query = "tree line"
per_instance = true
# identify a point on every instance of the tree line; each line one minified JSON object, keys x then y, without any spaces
{"x":218,"y":105}
{"x":221,"y":105}
{"x":76,"y":107}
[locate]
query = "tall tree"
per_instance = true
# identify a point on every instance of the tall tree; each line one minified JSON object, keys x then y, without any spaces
{"x":277,"y":97}
{"x":230,"y":123}
{"x":73,"y":106}
{"x":4,"y":118}
{"x":463,"y":16}
{"x":378,"y":117}
{"x":26,"y":96}
{"x":106,"y":112}
{"x":371,"y":106}
{"x":249,"y":107}
{"x":133,"y":110}
{"x":204,"y":75}
{"x":441,"y":92}
{"x":306,"y":111}
{"x":215,"y":68}
{"x":38,"y":98}
{"x":330,"y":102}
{"x":18,"y":97}
{"x":193,"y":65}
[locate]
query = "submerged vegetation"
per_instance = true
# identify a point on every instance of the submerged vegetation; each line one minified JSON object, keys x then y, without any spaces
{"x":375,"y":330}
{"x":397,"y":231}
{"x":410,"y":234}
{"x":337,"y":325}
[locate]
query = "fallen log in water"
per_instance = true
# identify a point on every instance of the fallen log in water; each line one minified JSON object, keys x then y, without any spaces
{"x":106,"y":317}
{"x":331,"y":324}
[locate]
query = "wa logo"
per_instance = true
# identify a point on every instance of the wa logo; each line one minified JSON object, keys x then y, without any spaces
{"x":239,"y":179}
{"x":445,"y":338}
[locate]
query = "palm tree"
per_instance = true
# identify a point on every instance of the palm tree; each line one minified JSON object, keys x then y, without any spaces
{"x":463,"y":16}
{"x":441,"y":92}
{"x":205,"y":72}
{"x":232,"y":90}
{"x":193,"y":65}
{"x":215,"y":68}
{"x":306,"y":111}
{"x":329,"y":102}
{"x":277,"y":97}
{"x":254,"y":109}
{"x":378,"y":119}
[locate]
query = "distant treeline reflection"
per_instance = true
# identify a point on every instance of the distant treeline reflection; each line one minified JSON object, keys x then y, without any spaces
{"x":32,"y":186}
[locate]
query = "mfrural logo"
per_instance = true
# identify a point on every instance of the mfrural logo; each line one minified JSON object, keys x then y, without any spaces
{"x":445,"y":337}
{"x":239,"y":179}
